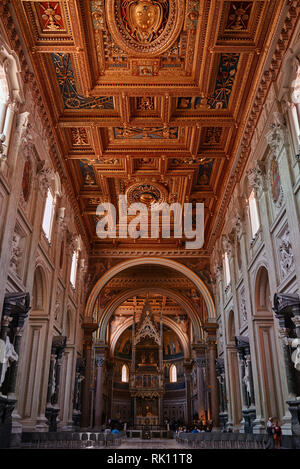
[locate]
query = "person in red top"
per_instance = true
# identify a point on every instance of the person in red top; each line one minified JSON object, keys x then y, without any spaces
{"x":277,"y":435}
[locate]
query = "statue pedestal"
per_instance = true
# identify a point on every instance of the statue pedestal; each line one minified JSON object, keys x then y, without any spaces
{"x":259,"y":426}
{"x":249,"y":417}
{"x":223,"y":418}
{"x":6,"y":409}
{"x":294,"y":408}
{"x":16,"y":430}
{"x":51,"y":415}
{"x":76,"y":416}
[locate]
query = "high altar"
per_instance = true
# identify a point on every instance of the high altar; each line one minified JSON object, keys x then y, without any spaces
{"x":146,"y":384}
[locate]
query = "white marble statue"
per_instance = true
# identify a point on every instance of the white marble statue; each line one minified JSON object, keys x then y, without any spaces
{"x":7,"y":355}
{"x":246,"y":379}
{"x":296,"y":354}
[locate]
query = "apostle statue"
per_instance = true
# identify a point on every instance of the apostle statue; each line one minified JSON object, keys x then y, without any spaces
{"x":296,"y":353}
{"x":7,"y":356}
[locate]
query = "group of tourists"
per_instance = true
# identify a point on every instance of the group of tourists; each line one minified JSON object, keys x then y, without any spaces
{"x":200,"y":427}
{"x":274,"y":434}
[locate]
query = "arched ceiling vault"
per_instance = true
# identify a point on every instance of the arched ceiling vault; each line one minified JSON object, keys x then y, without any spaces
{"x":199,"y":284}
{"x":186,"y":305}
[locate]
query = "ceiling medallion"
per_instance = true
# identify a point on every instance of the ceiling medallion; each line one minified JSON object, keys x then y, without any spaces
{"x":146,"y":193}
{"x":145,"y":26}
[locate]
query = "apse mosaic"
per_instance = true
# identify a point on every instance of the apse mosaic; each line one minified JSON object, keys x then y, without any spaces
{"x":66,"y":80}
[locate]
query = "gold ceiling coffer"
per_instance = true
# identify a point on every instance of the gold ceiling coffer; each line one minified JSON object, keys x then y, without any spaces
{"x":145,"y":27}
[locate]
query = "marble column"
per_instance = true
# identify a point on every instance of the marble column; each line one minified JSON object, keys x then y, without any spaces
{"x":88,"y":328}
{"x":214,"y":391}
{"x":99,"y":391}
{"x":160,"y":410}
{"x":51,"y":376}
{"x":52,"y":407}
{"x":79,"y":377}
{"x":200,"y":364}
{"x":188,"y":396}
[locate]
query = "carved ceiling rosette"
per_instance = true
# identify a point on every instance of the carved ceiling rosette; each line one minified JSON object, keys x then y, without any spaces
{"x":147,"y":193}
{"x":145,"y":27}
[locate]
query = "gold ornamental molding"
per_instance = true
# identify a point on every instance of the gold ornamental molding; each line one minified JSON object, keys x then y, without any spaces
{"x":145,"y":28}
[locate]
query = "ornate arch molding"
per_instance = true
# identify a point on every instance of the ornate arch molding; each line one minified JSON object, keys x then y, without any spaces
{"x":211,"y":313}
{"x":167,"y":321}
{"x":182,"y":301}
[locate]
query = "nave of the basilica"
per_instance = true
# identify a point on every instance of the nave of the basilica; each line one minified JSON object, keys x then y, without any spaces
{"x":119,"y":336}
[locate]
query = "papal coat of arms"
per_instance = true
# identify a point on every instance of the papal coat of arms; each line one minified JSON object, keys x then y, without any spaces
{"x":145,"y":27}
{"x":144,"y":19}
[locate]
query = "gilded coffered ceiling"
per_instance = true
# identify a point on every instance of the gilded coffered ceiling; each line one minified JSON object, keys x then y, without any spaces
{"x":147,"y":97}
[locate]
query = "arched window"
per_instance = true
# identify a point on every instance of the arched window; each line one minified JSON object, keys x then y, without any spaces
{"x":254,"y":218}
{"x":294,"y":108}
{"x":74,"y":268}
{"x":4,"y":98}
{"x":226,"y":269}
{"x":173,"y":374}
{"x":48,"y":215}
{"x":125,"y":374}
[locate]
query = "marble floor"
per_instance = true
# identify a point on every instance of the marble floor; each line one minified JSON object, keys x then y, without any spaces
{"x":154,"y":443}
